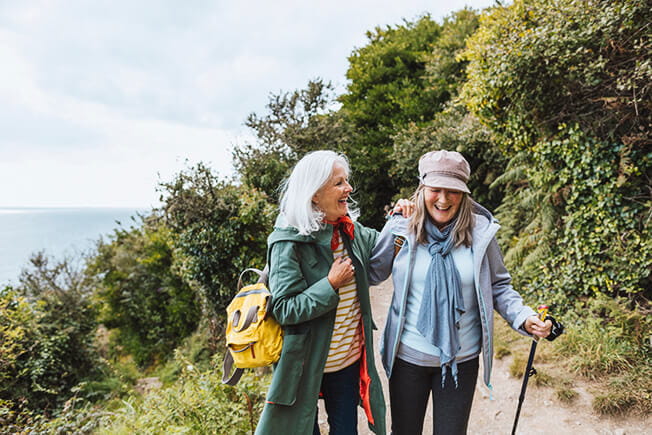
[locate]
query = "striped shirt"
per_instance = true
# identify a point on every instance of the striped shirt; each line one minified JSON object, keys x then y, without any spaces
{"x":345,"y":348}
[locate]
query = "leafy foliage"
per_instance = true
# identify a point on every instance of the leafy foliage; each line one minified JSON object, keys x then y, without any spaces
{"x":563,"y":87}
{"x":142,"y":295}
{"x":46,"y":327}
{"x":197,"y":403}
{"x":602,"y":243}
{"x":387,"y":91}
{"x":445,"y":68}
{"x":295,"y":123}
{"x":221,"y":229}
{"x":17,"y":326}
{"x":537,"y":64}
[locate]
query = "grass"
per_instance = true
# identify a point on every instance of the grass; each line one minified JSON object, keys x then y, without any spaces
{"x":566,"y":395}
{"x":607,"y":344}
{"x":197,"y":403}
{"x":192,"y":399}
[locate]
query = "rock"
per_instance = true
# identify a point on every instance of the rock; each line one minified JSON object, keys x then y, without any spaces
{"x":145,"y":385}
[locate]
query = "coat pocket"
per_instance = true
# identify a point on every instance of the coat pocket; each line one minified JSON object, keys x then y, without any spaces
{"x":288,"y":370}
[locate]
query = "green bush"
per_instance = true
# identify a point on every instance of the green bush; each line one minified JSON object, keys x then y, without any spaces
{"x":18,"y":325}
{"x":47,"y":327}
{"x":564,"y":87}
{"x":220,"y":228}
{"x":538,"y":63}
{"x":198,"y":404}
{"x":587,"y":230}
{"x":142,"y":295}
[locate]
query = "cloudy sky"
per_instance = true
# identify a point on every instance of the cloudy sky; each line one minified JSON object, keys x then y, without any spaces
{"x":99,"y":100}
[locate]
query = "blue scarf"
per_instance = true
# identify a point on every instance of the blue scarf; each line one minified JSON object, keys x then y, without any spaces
{"x":442,"y":303}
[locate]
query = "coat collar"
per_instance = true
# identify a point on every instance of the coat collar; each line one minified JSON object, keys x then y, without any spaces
{"x":287,"y":233}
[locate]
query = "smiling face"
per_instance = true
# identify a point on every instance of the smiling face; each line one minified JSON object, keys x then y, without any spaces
{"x":332,"y":196}
{"x":442,"y":204}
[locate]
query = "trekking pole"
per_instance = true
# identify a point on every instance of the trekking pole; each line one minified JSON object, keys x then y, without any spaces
{"x":529,"y":370}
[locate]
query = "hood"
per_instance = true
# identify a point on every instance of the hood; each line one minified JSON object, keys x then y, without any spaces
{"x":284,"y":232}
{"x":486,"y":225}
{"x":481,"y":211}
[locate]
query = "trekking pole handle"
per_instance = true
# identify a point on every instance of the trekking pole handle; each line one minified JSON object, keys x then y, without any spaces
{"x":543,"y":312}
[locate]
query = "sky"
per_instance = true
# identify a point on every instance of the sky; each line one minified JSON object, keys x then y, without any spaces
{"x":102,"y":100}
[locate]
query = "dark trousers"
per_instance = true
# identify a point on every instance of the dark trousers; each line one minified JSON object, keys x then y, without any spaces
{"x":409,"y":388}
{"x":341,"y":394}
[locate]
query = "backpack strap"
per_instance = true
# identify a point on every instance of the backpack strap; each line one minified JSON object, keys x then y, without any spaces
{"x":398,"y":244}
{"x":252,"y":317}
{"x":226,"y":369}
{"x":227,"y":365}
{"x":261,"y":273}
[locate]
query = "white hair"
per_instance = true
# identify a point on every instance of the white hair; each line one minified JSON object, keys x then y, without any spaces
{"x":308,"y":176}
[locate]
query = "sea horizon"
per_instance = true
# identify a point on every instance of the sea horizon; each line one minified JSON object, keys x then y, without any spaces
{"x":60,"y":232}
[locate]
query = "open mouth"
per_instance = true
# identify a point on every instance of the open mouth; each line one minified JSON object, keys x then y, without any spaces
{"x":441,"y":208}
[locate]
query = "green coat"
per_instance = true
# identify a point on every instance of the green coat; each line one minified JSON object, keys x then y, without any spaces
{"x":304,"y":303}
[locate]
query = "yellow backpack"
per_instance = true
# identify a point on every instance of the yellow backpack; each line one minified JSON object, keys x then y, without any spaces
{"x":253,"y":337}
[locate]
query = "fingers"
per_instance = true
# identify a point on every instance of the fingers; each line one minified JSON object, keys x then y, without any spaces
{"x":547,"y":329}
{"x":404,"y":206}
{"x":535,"y":326}
{"x":341,"y":272}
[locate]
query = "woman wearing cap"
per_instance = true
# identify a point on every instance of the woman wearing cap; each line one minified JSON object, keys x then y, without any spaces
{"x":448,"y":278}
{"x":319,"y":259}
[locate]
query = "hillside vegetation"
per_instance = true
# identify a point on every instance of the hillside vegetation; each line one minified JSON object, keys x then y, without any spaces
{"x":549,"y":101}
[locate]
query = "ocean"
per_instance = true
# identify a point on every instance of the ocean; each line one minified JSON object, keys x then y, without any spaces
{"x":57,"y":231}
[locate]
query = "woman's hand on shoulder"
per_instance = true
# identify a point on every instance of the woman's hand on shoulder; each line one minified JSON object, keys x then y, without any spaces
{"x":404,"y":207}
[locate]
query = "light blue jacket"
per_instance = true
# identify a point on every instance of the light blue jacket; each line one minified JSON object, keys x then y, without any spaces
{"x":492,"y":284}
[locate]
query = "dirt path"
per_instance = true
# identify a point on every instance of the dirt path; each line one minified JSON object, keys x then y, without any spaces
{"x":542,"y":413}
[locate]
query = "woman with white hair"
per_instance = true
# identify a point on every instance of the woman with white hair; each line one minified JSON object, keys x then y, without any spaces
{"x":319,"y":260}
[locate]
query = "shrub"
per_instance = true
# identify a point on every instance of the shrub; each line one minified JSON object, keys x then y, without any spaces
{"x":18,"y":325}
{"x":46,"y":330}
{"x":197,"y":403}
{"x":142,"y":294}
{"x":539,"y":63}
{"x":564,"y":86}
{"x":294,"y":124}
{"x":220,"y":228}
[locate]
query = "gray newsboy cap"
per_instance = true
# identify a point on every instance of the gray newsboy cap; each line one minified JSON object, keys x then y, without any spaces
{"x":444,"y":169}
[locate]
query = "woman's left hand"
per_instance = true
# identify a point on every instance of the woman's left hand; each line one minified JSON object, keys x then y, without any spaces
{"x":535,"y":326}
{"x":404,"y":207}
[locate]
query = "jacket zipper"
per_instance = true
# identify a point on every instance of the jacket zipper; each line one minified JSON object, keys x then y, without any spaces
{"x":484,"y":311}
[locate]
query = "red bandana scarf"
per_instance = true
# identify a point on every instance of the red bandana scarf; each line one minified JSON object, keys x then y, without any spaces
{"x":345,"y":224}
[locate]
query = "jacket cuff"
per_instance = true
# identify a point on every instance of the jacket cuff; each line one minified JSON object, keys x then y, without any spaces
{"x":519,"y":321}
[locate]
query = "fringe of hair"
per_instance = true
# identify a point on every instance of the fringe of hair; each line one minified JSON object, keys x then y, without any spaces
{"x":462,"y":231}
